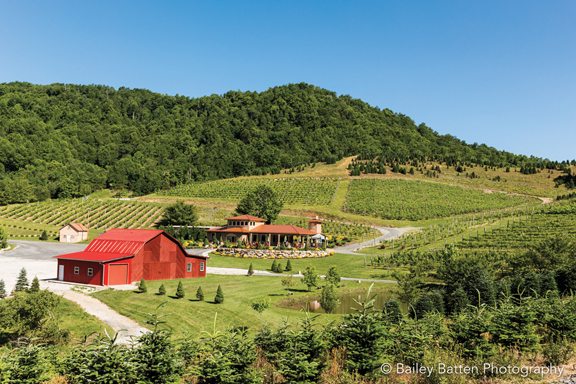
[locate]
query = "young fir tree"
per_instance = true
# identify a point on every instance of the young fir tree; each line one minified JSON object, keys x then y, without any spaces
{"x":22,"y":282}
{"x":250,"y":270}
{"x":219,"y":299}
{"x":279,"y":268}
{"x":180,"y":291}
{"x":328,"y":299}
{"x":142,"y":288}
{"x":273,"y":267}
{"x":288,"y":267}
{"x":2,"y":289}
{"x":35,"y":286}
{"x":44,"y":236}
{"x":392,"y":312}
{"x":200,"y":294}
{"x":161,"y":290}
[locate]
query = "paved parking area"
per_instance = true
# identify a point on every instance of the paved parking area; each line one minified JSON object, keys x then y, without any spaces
{"x":37,"y":257}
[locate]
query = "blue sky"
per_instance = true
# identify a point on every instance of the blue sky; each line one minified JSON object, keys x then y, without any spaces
{"x":501,"y":72}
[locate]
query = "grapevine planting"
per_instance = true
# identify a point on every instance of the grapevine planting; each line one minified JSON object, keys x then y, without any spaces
{"x":293,"y":190}
{"x":416,"y":200}
{"x":96,"y":214}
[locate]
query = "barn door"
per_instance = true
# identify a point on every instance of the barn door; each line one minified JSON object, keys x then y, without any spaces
{"x":117,"y":274}
{"x":61,"y":272}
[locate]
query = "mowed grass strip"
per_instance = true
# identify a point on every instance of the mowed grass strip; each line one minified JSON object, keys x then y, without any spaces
{"x":355,"y":266}
{"x":189,"y":317}
{"x":417,"y":200}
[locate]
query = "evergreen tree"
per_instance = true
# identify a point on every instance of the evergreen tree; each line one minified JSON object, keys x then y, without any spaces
{"x":219,"y":298}
{"x":288,"y":267}
{"x":22,"y":282}
{"x":422,"y":306}
{"x":35,"y":286}
{"x":332,"y":276}
{"x":279,"y":268}
{"x":310,"y":278}
{"x":273,"y":266}
{"x":180,"y":291}
{"x":162,"y":290}
{"x":200,"y":294}
{"x":392,"y":312}
{"x":44,"y":236}
{"x":250,"y":270}
{"x":2,"y":289}
{"x":457,"y":300}
{"x":142,"y":288}
{"x":328,"y":299}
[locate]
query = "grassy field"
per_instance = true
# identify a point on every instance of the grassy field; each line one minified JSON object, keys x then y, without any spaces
{"x":417,"y":200}
{"x":79,"y":323}
{"x":347,"y":265}
{"x":188,"y":316}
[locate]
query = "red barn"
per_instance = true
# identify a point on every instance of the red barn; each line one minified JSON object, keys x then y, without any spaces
{"x":122,"y":256}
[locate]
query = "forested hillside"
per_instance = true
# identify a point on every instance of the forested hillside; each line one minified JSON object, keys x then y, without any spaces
{"x":70,"y":140}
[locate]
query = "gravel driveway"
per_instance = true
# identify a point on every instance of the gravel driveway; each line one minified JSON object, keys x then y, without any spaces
{"x":388,"y":233}
{"x":37,"y":258}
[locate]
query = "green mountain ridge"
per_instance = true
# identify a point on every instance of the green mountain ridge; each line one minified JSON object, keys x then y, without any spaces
{"x":63,"y":140}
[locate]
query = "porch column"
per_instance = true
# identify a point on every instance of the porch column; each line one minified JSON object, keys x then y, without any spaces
{"x":250,"y":238}
{"x":269,"y":239}
{"x":278,"y":240}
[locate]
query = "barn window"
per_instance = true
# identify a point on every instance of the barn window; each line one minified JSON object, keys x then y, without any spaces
{"x":90,"y":272}
{"x":76,"y":270}
{"x":189,"y":267}
{"x":201,"y":266}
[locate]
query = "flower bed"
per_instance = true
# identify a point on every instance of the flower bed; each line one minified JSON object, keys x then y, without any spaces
{"x":272,"y":253}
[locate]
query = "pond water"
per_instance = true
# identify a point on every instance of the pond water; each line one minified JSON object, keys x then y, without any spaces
{"x":347,"y":301}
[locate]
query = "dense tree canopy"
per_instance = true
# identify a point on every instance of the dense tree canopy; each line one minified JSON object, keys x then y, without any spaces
{"x":262,"y":202}
{"x":180,"y":214}
{"x":64,"y":140}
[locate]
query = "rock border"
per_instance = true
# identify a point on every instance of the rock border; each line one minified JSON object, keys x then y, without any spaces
{"x":272,"y":253}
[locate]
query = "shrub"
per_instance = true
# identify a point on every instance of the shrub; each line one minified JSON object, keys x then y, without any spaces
{"x":260,"y":305}
{"x":333,"y":277}
{"x":180,"y":291}
{"x":310,"y":278}
{"x":2,"y":289}
{"x":219,"y":298}
{"x":288,"y":267}
{"x":162,"y":290}
{"x":250,"y":270}
{"x":273,"y":266}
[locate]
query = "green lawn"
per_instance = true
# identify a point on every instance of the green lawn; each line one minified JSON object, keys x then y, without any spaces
{"x":190,"y":317}
{"x":346,"y":265}
{"x":80,"y":324}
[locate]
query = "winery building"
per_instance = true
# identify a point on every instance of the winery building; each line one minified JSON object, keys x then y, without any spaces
{"x":252,"y":230}
{"x":123,"y":256}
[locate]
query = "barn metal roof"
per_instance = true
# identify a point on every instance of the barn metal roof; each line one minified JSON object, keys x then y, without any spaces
{"x":93,"y":256}
{"x":117,"y":244}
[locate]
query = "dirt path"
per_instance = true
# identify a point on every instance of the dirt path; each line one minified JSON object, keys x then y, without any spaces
{"x":124,"y":326}
{"x":388,"y":233}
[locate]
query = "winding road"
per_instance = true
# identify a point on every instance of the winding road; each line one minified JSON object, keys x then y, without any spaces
{"x":388,"y":233}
